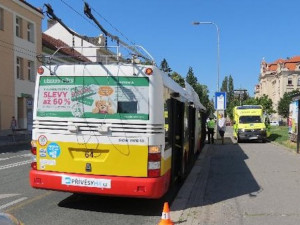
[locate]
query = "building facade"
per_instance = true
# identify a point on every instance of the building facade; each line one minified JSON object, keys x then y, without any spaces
{"x":20,"y":43}
{"x":277,"y":78}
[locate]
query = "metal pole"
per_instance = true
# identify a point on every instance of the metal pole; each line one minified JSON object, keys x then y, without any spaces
{"x":218,"y":49}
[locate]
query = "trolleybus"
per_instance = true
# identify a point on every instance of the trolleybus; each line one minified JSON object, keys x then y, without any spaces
{"x":117,"y":129}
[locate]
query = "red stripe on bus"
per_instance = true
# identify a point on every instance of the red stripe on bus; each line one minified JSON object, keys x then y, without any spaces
{"x":120,"y":186}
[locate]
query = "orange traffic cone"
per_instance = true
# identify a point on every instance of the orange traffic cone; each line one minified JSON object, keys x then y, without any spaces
{"x":165,"y":217}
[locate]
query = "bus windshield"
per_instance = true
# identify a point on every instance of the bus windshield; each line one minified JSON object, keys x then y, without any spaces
{"x":250,"y":119}
{"x":94,"y":97}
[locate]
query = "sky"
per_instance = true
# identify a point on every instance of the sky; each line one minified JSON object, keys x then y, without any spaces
{"x":249,"y":31}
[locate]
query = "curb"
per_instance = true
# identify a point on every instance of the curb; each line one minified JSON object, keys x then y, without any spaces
{"x":190,"y":197}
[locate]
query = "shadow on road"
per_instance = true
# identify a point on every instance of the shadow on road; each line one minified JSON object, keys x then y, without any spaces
{"x":228,"y":176}
{"x":119,"y":205}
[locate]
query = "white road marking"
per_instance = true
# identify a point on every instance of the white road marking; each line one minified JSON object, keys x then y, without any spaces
{"x":2,"y":196}
{"x":16,"y":156}
{"x":15,"y":164}
{"x":12,"y":203}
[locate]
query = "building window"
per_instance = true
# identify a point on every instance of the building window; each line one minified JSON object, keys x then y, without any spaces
{"x":18,"y":27}
{"x":30,"y":69}
{"x":298,"y":82}
{"x":20,"y":68}
{"x":1,"y":19}
{"x":30,"y":32}
{"x":290,"y":81}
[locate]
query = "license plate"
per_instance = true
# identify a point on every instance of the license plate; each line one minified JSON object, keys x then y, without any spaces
{"x":253,"y":138}
{"x":86,"y":182}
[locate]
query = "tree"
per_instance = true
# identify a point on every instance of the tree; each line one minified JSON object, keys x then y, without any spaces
{"x":224,"y":87}
{"x":284,"y":103}
{"x":191,"y":79}
{"x":267,"y":104}
{"x":178,"y":78}
{"x":164,"y":66}
{"x":230,"y":93}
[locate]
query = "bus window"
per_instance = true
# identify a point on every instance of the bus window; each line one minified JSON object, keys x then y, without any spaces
{"x":127,"y":107}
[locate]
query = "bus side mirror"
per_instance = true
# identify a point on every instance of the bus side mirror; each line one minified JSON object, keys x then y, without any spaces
{"x":234,"y":122}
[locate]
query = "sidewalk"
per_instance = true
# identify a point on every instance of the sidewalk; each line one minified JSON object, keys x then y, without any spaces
{"x":185,"y":209}
{"x":10,"y":139}
{"x":189,"y":199}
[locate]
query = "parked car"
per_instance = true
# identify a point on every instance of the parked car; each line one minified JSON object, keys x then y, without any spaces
{"x":274,"y":123}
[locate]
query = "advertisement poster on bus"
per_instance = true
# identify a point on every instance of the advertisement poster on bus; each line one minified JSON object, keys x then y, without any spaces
{"x":94,"y":97}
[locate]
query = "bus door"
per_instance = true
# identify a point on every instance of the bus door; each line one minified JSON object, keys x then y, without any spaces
{"x":191,"y":130}
{"x":176,"y":125}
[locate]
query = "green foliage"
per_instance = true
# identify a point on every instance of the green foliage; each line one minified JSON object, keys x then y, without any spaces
{"x":191,"y":79}
{"x":267,"y":104}
{"x":164,"y":66}
{"x":224,"y":87}
{"x":280,"y":135}
{"x":230,"y":92}
{"x":284,"y":103}
{"x":178,"y":78}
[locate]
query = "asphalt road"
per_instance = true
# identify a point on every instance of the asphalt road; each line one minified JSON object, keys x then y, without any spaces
{"x":247,"y":183}
{"x":36,"y":207}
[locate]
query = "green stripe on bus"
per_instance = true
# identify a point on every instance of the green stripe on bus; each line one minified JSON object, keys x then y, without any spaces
{"x":101,"y":81}
{"x":122,"y":116}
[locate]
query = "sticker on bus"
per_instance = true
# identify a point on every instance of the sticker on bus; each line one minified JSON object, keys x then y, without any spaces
{"x":53,"y":150}
{"x":86,"y":182}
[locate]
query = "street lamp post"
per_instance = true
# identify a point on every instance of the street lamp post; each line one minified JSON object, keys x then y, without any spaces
{"x":218,"y":46}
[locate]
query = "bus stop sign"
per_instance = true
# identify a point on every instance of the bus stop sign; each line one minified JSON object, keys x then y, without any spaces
{"x":220,"y":100}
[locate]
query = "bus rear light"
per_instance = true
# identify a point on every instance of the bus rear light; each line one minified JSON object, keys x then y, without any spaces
{"x":154,"y":157}
{"x":154,"y":149}
{"x":40,"y":70}
{"x":34,"y":166}
{"x":33,"y":147}
{"x":149,"y":71}
{"x":33,"y":150}
{"x":154,"y":173}
{"x":153,"y":165}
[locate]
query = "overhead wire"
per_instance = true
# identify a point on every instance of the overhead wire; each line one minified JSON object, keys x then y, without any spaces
{"x":14,"y":49}
{"x":115,"y":28}
{"x":84,"y":17}
{"x":80,"y":14}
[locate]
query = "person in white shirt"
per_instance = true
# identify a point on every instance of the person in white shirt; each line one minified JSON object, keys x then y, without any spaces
{"x":222,"y":126}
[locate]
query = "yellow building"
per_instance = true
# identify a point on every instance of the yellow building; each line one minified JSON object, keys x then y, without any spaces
{"x":278,"y":77}
{"x":20,"y":42}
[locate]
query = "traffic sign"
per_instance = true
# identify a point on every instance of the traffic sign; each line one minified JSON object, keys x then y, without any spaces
{"x":220,"y":100}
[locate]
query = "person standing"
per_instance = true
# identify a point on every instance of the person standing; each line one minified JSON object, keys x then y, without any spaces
{"x":13,"y":124}
{"x":222,"y":126}
{"x":211,"y":130}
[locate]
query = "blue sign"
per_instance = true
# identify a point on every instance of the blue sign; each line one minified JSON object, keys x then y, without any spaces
{"x":53,"y":150}
{"x":220,"y":100}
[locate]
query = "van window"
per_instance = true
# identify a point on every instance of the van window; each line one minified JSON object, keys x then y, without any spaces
{"x":250,"y":119}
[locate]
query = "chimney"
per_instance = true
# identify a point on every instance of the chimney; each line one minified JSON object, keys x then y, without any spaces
{"x":50,"y":23}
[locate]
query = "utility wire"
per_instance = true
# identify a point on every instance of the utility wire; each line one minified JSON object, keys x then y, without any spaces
{"x":110,"y":24}
{"x":80,"y":14}
{"x":27,"y":50}
{"x":17,"y":50}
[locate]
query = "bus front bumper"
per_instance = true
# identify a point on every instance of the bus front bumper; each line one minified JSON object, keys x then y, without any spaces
{"x":105,"y":185}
